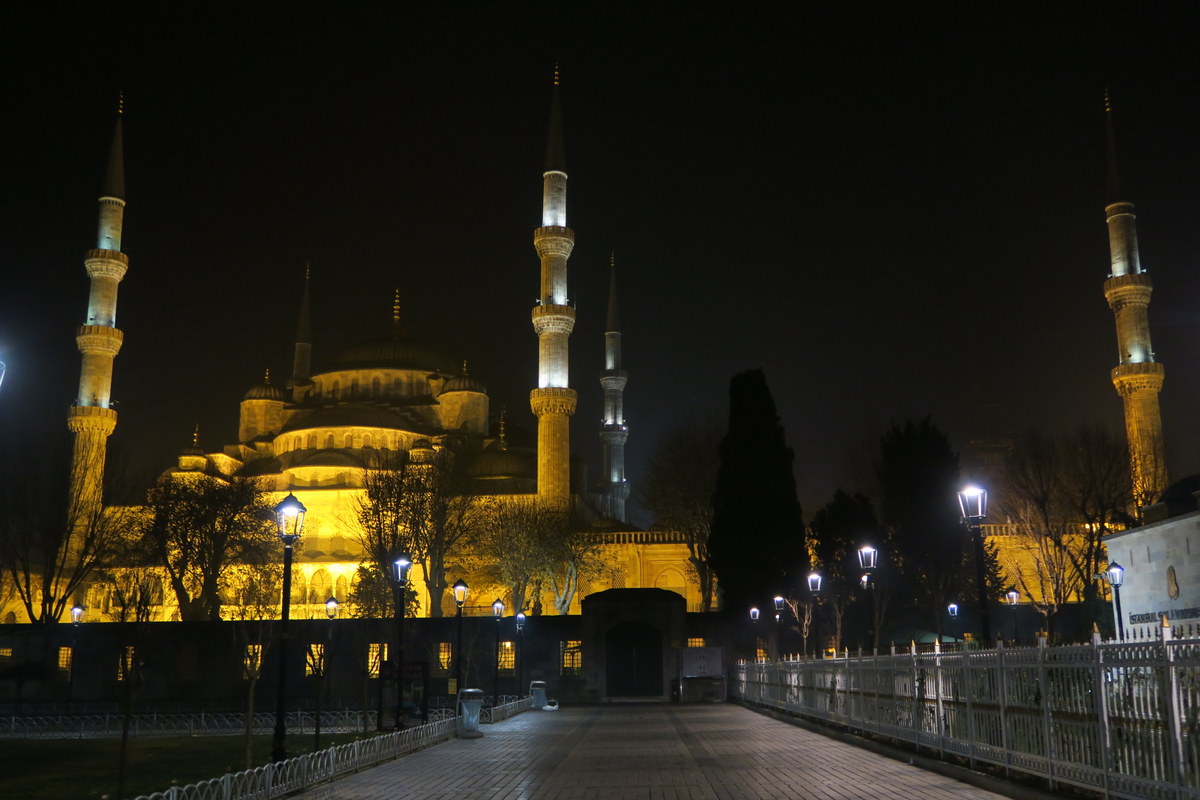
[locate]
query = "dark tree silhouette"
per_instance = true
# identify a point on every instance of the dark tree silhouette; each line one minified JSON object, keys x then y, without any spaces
{"x":757,"y":545}
{"x":839,"y":529}
{"x":919,"y":481}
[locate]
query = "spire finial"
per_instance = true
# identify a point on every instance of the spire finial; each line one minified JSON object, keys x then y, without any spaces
{"x":464,"y":372}
{"x":556,"y":76}
{"x":503,"y":428}
{"x":267,"y":377}
{"x":120,"y":103}
{"x":396,"y":308}
{"x":196,"y":435}
{"x":1114,"y":175}
{"x":307,"y":270}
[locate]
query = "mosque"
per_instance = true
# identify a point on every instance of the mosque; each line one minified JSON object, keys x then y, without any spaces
{"x":393,"y":398}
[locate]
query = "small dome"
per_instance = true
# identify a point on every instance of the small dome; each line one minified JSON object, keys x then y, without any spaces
{"x":498,"y":461}
{"x":264,"y":390}
{"x":464,"y":383}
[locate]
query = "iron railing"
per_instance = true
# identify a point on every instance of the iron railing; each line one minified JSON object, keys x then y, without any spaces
{"x":300,"y":773}
{"x":97,"y":726}
{"x":1121,"y":718}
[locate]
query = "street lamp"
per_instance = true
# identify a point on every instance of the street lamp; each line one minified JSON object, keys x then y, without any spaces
{"x":290,"y":515}
{"x":76,"y":614}
{"x":498,"y":614}
{"x":460,"y":598}
{"x":400,"y":569}
{"x":814,"y":590}
{"x":331,"y":610}
{"x":520,"y":649}
{"x":952,"y":612}
{"x":1013,"y":597}
{"x":754,"y":614}
{"x":1116,"y":576}
{"x":972,"y":501}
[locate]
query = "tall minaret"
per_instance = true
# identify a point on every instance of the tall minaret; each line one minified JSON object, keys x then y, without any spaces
{"x":301,"y":381}
{"x":1138,"y":377}
{"x":614,"y":432}
{"x":92,"y":419}
{"x":553,"y":401}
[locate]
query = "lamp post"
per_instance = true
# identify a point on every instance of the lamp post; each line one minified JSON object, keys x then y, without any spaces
{"x":754,"y":631}
{"x":498,"y":614}
{"x":76,"y":618}
{"x":1116,"y":576}
{"x":778,"y":600}
{"x":814,"y":590}
{"x":520,"y":651}
{"x":460,"y":598}
{"x":400,"y":569}
{"x":972,"y":501}
{"x":1013,"y":597}
{"x":952,"y":612}
{"x":331,"y":610}
{"x":290,"y":514}
{"x":868,"y":560}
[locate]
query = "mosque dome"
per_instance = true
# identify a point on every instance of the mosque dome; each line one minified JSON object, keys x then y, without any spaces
{"x":464,"y":382}
{"x":498,"y":461}
{"x":391,"y":351}
{"x":264,"y":390}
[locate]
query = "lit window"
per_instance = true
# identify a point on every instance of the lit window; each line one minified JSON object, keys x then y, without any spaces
{"x":64,"y":660}
{"x":572,"y":657}
{"x":126,"y":662}
{"x":760,"y":649}
{"x":5,"y":654}
{"x":507,"y":657}
{"x":696,"y":641}
{"x":314,"y":661}
{"x":445,"y":655}
{"x":251,"y":660}
{"x":376,"y":655}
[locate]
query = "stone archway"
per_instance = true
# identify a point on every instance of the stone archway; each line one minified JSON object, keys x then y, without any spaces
{"x":634,"y":665}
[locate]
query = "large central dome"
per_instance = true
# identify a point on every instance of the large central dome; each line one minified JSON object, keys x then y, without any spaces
{"x":395,"y":352}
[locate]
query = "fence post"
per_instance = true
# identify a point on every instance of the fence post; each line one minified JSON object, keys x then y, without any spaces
{"x":1172,"y":709}
{"x":1002,"y":687}
{"x":1047,"y":717}
{"x":968,"y":683}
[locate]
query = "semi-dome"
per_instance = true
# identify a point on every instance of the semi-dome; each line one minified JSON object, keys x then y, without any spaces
{"x":498,"y":461}
{"x":391,"y":351}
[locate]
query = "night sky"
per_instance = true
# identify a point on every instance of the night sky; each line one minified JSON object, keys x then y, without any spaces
{"x":893,"y":214}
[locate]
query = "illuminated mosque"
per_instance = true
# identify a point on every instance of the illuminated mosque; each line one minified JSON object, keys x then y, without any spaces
{"x":390,"y":397}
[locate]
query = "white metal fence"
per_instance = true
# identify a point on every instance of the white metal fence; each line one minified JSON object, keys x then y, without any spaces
{"x":89,"y":726}
{"x":297,"y":774}
{"x":1120,"y":719}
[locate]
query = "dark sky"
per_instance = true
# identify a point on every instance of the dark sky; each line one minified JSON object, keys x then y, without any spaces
{"x":893,"y":214}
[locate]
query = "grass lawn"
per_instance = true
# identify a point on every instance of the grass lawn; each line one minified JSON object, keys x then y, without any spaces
{"x":86,"y":769}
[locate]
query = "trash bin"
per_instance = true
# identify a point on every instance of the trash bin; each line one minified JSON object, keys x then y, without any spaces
{"x":470,"y":703}
{"x":538,"y":690}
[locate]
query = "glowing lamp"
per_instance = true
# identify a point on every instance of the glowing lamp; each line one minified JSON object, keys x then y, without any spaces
{"x":754,"y":614}
{"x":1012,"y":595}
{"x":400,"y":569}
{"x":1115,"y":574}
{"x":460,"y":593}
{"x":497,"y":608}
{"x":778,"y":604}
{"x":520,"y":621}
{"x":868,"y":557}
{"x":331,"y":607}
{"x":814,"y":582}
{"x":76,"y":614}
{"x":952,"y":610}
{"x":972,"y":501}
{"x":290,"y":513}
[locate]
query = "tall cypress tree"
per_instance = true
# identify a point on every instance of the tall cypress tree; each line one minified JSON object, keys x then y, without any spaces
{"x":757,"y":545}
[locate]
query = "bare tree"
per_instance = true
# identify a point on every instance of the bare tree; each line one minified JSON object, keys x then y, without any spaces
{"x":678,"y":489}
{"x":509,"y":542}
{"x":199,"y":527}
{"x":256,"y":591}
{"x":425,"y":509}
{"x":52,"y":536}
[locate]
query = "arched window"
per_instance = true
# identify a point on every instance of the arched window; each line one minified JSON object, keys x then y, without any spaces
{"x":375,"y":387}
{"x":319,"y":587}
{"x":341,"y":589}
{"x":337,"y":389}
{"x":354,"y":388}
{"x":367,"y":440}
{"x":329,"y":445}
{"x":298,"y":588}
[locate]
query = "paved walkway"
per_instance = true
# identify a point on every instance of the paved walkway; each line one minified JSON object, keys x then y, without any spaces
{"x":645,"y":752}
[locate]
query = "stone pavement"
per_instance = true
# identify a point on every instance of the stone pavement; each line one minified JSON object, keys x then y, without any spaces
{"x":645,"y":752}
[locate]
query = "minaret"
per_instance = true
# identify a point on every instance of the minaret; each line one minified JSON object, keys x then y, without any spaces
{"x":1138,"y":377}
{"x":553,"y":401}
{"x":302,"y":356}
{"x":614,"y":432}
{"x":92,"y":419}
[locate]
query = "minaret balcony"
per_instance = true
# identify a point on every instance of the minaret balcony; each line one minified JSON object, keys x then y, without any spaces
{"x":102,"y":263}
{"x":553,"y":318}
{"x":99,"y":339}
{"x":91,"y":418}
{"x":1138,"y":376}
{"x":1127,"y":290}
